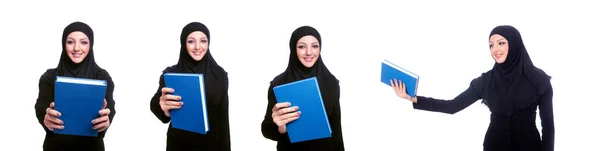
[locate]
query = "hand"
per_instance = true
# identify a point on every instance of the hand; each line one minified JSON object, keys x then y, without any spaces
{"x":103,"y":122}
{"x":168,"y":102}
{"x":50,"y":119}
{"x":400,"y":89}
{"x":283,"y":114}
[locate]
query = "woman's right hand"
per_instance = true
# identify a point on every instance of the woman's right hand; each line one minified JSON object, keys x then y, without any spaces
{"x":50,"y":119}
{"x":283,"y":114}
{"x":400,"y":89}
{"x":168,"y":102}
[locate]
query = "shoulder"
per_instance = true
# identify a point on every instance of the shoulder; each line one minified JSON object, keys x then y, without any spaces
{"x":48,"y":75}
{"x":279,"y":79}
{"x":172,"y":68}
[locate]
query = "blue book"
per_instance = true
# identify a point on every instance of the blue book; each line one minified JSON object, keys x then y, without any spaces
{"x":192,"y":115}
{"x":78,"y":100}
{"x":313,"y":122}
{"x":391,"y":71}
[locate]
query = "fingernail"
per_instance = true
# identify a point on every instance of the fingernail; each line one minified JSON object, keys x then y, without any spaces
{"x":180,"y":103}
{"x":299,"y":112}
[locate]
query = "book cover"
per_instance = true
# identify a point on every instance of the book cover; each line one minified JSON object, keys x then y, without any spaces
{"x":78,"y":100}
{"x":313,"y":122}
{"x":391,"y":71}
{"x":192,"y":116}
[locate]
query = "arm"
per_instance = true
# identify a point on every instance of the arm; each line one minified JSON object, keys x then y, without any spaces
{"x":269,"y":128}
{"x":459,"y":103}
{"x":45,"y":97}
{"x":224,"y":108}
{"x":338,"y":125}
{"x":154,"y":103}
{"x":547,"y":118}
{"x":110,"y":102}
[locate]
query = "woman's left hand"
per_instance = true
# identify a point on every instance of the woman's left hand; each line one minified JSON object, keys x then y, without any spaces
{"x":103,"y":122}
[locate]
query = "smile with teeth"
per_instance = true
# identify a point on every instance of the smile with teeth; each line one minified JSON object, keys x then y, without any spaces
{"x":498,"y":55}
{"x":76,"y":55}
{"x":308,"y":59}
{"x":197,"y":52}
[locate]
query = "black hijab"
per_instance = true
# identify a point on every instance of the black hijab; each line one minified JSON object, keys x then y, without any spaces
{"x":214,"y":75}
{"x":516,"y":83}
{"x":328,"y":83}
{"x":87,"y":67}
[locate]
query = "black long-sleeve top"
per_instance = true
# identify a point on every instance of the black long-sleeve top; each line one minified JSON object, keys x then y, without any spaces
{"x":216,"y":139}
{"x":517,"y":131}
{"x":60,"y":142}
{"x":334,"y":143}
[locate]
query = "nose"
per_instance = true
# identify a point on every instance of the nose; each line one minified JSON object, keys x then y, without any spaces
{"x":197,"y":46}
{"x":76,"y":47}
{"x":309,"y":51}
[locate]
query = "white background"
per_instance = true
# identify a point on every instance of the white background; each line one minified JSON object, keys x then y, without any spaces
{"x":445,"y":42}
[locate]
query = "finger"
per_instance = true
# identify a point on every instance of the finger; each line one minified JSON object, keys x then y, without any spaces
{"x":103,"y":129}
{"x":290,"y":115}
{"x":280,"y":105}
{"x":52,"y":105}
{"x":166,"y":90}
{"x":104,"y":106}
{"x":52,"y":112}
{"x":104,"y":112}
{"x":173,"y":103}
{"x":287,"y":110}
{"x":101,"y":125}
{"x":173,"y":97}
{"x":288,"y":120}
{"x":392,"y":83}
{"x":51,"y":126}
{"x":53,"y":120}
{"x":174,"y":107}
{"x":100,"y":120}
{"x":396,"y":86}
{"x":403,"y":88}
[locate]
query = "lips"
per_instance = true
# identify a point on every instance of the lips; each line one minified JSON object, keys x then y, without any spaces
{"x":197,"y":53}
{"x":498,"y":55}
{"x":76,"y":55}
{"x":308,"y":59}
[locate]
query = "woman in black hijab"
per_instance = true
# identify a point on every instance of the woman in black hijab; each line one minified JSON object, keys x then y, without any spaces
{"x":195,"y":57}
{"x":76,"y":60}
{"x":512,"y":90}
{"x":304,"y":62}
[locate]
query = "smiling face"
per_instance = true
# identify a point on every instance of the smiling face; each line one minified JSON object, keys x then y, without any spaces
{"x":498,"y":48}
{"x":77,"y":46}
{"x":308,"y":50}
{"x":197,"y":45}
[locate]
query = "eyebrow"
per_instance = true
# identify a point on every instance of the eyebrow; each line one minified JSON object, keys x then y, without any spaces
{"x":195,"y":38}
{"x":499,"y":40}
{"x":79,"y":39}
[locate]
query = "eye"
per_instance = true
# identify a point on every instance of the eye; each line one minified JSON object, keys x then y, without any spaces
{"x":315,"y":46}
{"x":491,"y":45}
{"x":69,"y":42}
{"x":190,"y":41}
{"x":502,"y":43}
{"x":301,"y":47}
{"x":84,"y":42}
{"x":204,"y":41}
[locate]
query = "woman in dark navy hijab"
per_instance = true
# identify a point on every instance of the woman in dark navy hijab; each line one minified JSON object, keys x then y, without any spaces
{"x":76,"y":60}
{"x":513,"y":90}
{"x":304,"y":62}
{"x":195,"y":57}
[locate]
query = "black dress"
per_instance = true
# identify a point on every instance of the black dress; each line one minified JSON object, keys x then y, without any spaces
{"x":514,"y":132}
{"x":217,"y":98}
{"x":87,"y":68}
{"x":512,"y":90}
{"x":330,"y":91}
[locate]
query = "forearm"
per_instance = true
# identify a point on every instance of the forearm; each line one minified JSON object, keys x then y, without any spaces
{"x":158,"y":112}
